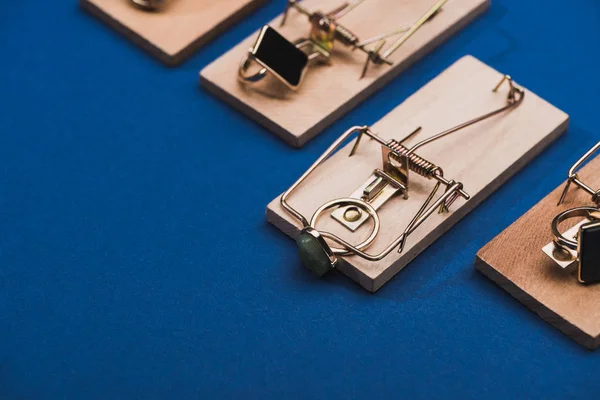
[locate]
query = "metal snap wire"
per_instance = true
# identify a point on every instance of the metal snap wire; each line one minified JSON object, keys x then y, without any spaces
{"x":363,"y":205}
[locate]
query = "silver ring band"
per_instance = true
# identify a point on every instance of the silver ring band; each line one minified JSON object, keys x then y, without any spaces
{"x":247,"y":60}
{"x":150,"y":5}
{"x":559,"y":239}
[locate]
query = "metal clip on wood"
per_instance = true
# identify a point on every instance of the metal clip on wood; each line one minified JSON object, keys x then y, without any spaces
{"x":579,"y":245}
{"x":288,"y":61}
{"x":149,"y":5}
{"x":399,"y":161}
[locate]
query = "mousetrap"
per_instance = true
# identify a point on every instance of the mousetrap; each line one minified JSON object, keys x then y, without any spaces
{"x":549,"y":259}
{"x":370,"y":207}
{"x":321,"y":58}
{"x":170,"y":30}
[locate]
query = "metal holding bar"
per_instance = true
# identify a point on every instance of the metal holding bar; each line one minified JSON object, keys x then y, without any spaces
{"x":574,"y":178}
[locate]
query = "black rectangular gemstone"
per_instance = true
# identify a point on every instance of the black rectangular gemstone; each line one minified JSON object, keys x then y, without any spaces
{"x":589,"y":253}
{"x":280,"y":56}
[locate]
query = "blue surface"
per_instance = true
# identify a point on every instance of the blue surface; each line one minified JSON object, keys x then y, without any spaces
{"x":135,"y":260}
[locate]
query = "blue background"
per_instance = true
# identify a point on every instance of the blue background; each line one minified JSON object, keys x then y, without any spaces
{"x":136,"y":262}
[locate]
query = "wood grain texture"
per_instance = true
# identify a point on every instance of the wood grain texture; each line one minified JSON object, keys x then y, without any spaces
{"x":176,"y":32}
{"x":515,"y":261}
{"x":482,"y":157}
{"x":330,"y":91}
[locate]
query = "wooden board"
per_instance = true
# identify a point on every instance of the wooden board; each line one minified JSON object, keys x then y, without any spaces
{"x":482,"y":157}
{"x":177,"y":31}
{"x":515,"y":261}
{"x":330,"y":91}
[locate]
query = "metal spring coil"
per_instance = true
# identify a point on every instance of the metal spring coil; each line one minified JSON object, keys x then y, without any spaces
{"x":416,"y":164}
{"x":345,"y":36}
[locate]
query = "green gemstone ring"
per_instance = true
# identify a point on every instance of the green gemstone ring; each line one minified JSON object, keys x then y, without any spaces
{"x":315,"y":253}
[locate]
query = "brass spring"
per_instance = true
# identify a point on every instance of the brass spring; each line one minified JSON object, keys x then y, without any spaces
{"x":345,"y":36}
{"x":416,"y":163}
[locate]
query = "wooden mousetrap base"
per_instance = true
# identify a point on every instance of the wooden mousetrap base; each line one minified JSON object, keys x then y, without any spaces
{"x":515,"y":261}
{"x":482,"y":157}
{"x":330,"y":91}
{"x":175,"y":32}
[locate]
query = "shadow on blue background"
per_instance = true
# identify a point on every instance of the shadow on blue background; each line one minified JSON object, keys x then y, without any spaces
{"x":136,"y":262}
